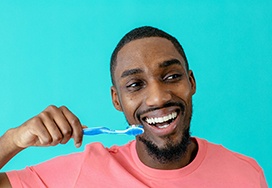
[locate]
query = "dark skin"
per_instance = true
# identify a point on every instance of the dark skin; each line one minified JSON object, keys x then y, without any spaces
{"x":149,"y":74}
{"x":54,"y":125}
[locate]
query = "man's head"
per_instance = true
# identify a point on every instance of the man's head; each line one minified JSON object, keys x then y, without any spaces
{"x":144,"y":32}
{"x":153,"y":87}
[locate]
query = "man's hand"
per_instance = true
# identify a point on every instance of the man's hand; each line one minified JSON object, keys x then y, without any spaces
{"x":52,"y":126}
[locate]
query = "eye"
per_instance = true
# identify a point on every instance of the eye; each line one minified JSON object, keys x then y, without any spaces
{"x":135,"y":85}
{"x":173,"y":77}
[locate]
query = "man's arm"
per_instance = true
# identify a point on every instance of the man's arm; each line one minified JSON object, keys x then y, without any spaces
{"x":4,"y":181}
{"x":51,"y":127}
{"x":7,"y":151}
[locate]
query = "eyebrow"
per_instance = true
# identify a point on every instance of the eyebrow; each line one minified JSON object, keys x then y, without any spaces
{"x":164,"y":64}
{"x":169,"y":63}
{"x":131,"y":72}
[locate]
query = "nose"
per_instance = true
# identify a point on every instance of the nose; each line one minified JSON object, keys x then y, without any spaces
{"x":157,"y":95}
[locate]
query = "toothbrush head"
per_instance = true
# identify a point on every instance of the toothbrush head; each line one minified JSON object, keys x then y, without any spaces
{"x":135,"y":130}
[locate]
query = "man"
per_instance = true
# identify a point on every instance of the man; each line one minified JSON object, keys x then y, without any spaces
{"x":153,"y":86}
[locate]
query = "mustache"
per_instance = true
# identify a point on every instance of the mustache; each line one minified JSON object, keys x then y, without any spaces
{"x":168,"y":104}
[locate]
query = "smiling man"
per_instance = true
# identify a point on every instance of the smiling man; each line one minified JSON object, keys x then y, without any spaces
{"x":153,"y":86}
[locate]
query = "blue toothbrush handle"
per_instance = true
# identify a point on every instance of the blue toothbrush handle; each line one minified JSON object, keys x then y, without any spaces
{"x":95,"y":130}
{"x":133,"y":131}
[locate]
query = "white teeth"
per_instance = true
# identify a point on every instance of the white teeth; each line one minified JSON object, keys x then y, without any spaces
{"x":161,"y":119}
{"x":163,"y":126}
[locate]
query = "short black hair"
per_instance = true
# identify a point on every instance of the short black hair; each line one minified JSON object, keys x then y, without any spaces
{"x":139,"y":33}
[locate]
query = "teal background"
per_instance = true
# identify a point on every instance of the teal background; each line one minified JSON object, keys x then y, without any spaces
{"x":57,"y":52}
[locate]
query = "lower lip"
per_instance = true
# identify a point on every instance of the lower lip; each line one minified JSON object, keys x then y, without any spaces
{"x":165,"y":131}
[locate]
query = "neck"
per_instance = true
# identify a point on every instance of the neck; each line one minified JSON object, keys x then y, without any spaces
{"x":179,"y":162}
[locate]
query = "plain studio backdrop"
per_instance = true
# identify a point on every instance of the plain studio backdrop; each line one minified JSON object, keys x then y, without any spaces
{"x":58,"y":52}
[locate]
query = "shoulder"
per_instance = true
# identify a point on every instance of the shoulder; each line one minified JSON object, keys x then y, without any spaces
{"x":224,"y":156}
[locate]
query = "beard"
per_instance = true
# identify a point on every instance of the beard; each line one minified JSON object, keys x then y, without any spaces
{"x":170,"y":152}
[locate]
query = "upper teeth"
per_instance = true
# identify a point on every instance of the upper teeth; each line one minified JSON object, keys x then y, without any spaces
{"x":161,"y":119}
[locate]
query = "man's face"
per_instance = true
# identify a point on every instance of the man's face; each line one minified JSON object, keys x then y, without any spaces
{"x":154,"y":89}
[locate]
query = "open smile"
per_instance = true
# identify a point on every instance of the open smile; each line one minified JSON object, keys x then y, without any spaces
{"x":162,"y":122}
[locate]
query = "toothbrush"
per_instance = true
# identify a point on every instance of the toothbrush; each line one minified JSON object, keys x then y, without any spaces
{"x":134,"y":130}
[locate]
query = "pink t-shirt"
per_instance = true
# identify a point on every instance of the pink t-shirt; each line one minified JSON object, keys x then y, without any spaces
{"x":97,"y":166}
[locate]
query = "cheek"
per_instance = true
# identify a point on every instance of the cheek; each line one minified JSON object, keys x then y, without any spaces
{"x":129,"y":107}
{"x":186,"y":94}
{"x":183,"y":92}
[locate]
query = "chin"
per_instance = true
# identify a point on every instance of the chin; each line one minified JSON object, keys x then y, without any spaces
{"x":170,"y":151}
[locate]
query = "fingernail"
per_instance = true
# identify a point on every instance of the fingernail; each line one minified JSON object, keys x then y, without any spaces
{"x":78,"y":145}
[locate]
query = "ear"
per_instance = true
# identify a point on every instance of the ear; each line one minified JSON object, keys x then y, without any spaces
{"x":115,"y":99}
{"x":192,"y":81}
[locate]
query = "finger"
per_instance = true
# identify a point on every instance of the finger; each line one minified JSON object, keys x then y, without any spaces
{"x":62,"y":124}
{"x":38,"y":133}
{"x":75,"y":124}
{"x":52,"y":128}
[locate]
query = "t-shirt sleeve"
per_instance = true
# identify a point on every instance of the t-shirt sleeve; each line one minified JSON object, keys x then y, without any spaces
{"x":257,"y":167}
{"x":62,"y":170}
{"x":262,"y":180}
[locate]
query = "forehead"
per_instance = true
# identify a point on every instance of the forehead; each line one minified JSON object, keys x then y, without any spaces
{"x":144,"y":53}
